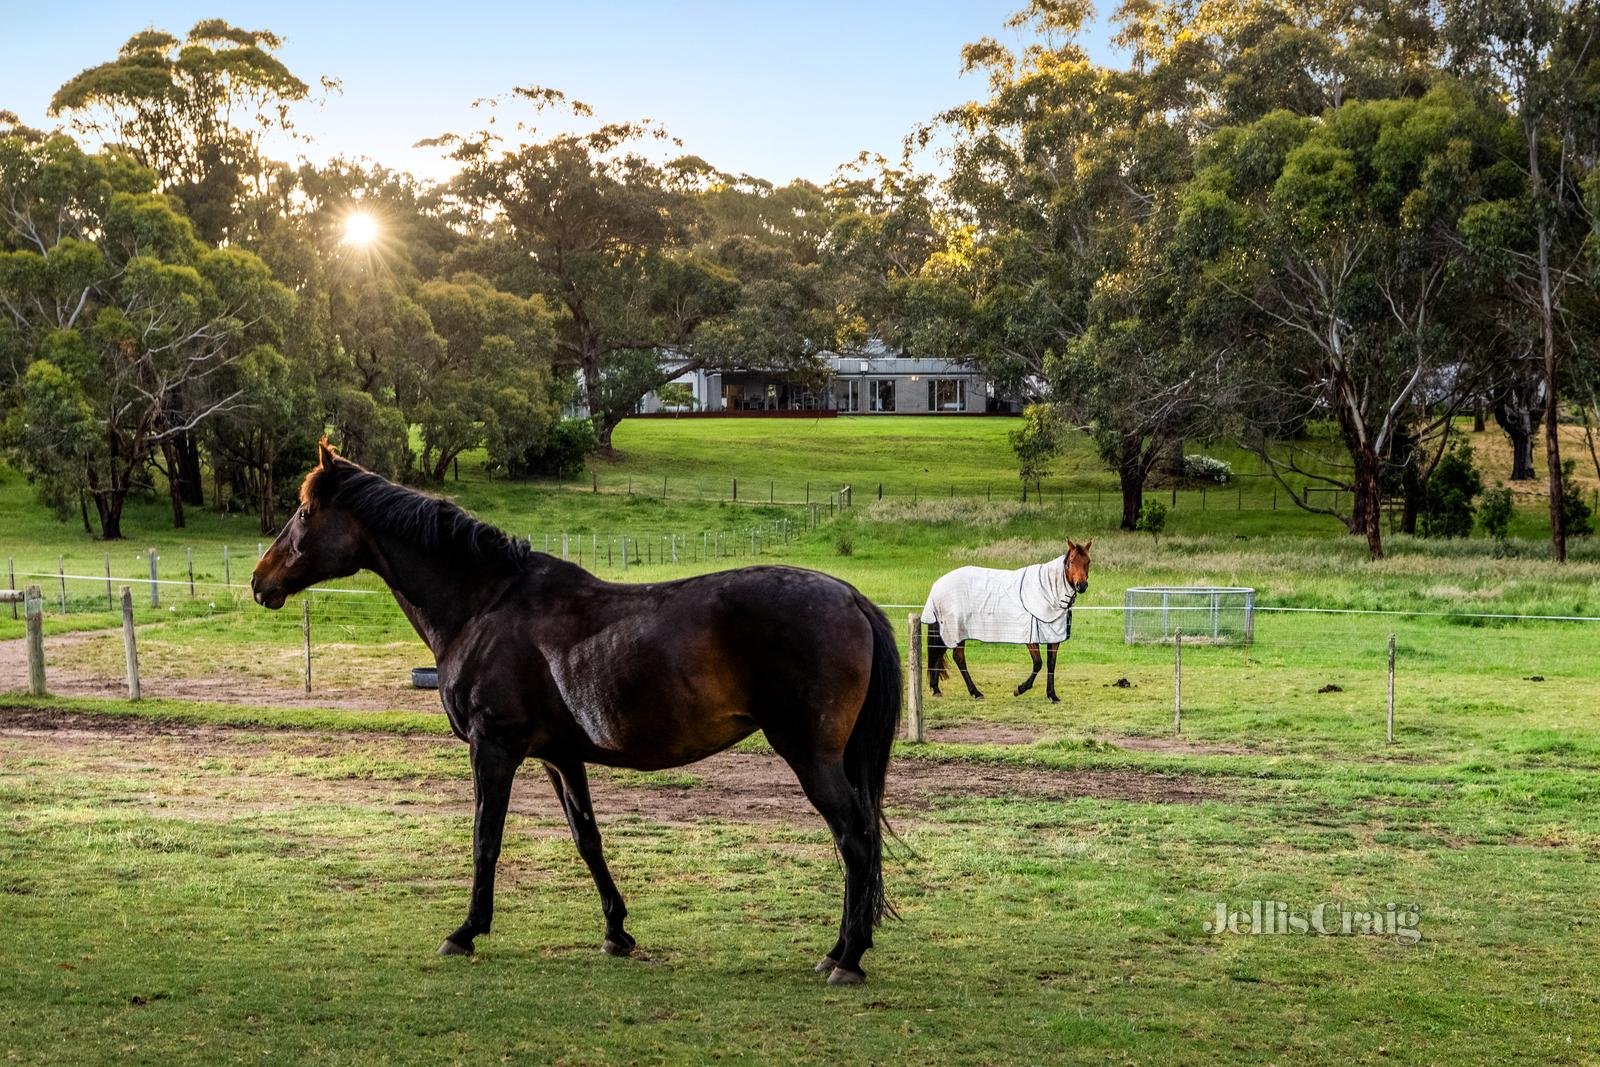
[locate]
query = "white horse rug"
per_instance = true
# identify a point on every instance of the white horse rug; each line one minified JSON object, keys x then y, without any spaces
{"x":1027,"y":606}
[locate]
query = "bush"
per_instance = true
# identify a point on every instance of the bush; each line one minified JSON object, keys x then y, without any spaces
{"x":1451,"y":489}
{"x":1207,"y":469}
{"x":844,"y":545}
{"x":559,"y":454}
{"x":1494,"y":513}
{"x":1576,"y":514}
{"x":1152,"y":517}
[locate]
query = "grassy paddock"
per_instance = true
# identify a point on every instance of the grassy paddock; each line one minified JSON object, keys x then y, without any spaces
{"x":184,"y":904}
{"x":248,"y":879}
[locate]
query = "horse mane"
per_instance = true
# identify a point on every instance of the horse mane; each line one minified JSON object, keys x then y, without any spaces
{"x":432,"y":523}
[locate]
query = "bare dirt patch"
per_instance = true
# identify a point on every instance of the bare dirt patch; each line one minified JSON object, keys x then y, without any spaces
{"x":66,"y":678}
{"x":984,"y":733}
{"x":731,"y":786}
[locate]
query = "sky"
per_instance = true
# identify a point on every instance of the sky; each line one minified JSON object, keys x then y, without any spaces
{"x":778,"y":90}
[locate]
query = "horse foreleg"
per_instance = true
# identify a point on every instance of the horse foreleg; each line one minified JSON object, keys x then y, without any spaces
{"x":1050,"y":672}
{"x":493,"y":768}
{"x":572,"y":788}
{"x":1033,"y":651}
{"x":959,"y":653}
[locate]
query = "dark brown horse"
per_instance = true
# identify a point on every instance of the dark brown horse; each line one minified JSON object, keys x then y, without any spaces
{"x":1045,"y":589}
{"x":540,"y":659}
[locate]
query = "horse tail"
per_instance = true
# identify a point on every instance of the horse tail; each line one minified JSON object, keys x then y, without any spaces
{"x":936,"y":651}
{"x":866,"y":753}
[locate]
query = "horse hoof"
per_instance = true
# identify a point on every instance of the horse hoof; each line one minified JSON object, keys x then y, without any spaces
{"x":1055,"y":700}
{"x":826,"y":966}
{"x":842,"y":976}
{"x":617,"y":948}
{"x":450,"y":948}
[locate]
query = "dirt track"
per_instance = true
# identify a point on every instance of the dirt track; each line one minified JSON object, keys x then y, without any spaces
{"x":66,"y":678}
{"x":735,"y":787}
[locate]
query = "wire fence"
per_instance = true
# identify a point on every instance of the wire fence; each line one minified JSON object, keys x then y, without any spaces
{"x":193,"y":636}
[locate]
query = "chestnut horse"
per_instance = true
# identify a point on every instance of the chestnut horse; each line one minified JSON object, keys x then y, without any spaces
{"x":538,"y":659}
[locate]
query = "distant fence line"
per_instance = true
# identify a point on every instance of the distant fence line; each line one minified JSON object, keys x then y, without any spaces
{"x":326,"y":624}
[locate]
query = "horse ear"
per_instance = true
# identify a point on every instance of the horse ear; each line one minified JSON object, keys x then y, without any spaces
{"x":1071,"y":547}
{"x":1088,"y":545}
{"x":325,"y":453}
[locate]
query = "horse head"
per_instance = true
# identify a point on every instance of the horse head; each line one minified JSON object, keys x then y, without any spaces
{"x":321,"y":541}
{"x":1077,"y":565}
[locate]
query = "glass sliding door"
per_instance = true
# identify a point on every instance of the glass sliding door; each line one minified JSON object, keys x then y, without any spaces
{"x":883,"y":394}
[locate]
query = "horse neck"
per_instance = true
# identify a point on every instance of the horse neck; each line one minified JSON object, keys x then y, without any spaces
{"x":438,"y":595}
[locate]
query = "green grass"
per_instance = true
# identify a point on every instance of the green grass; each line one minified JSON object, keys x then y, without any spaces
{"x":173,"y":907}
{"x":268,"y":892}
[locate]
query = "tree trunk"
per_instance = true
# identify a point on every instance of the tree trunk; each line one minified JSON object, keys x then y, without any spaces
{"x":269,"y":500}
{"x":1367,"y":516}
{"x":1131,"y":477}
{"x":1477,"y":419}
{"x":191,"y":478}
{"x":1519,"y":429}
{"x":169,"y":452}
{"x":109,"y":507}
{"x":83,"y":512}
{"x":1552,"y":436}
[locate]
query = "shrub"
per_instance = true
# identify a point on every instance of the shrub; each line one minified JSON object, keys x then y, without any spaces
{"x":843,"y":545}
{"x":1447,"y":498}
{"x":1152,"y":517}
{"x":559,"y":454}
{"x":1207,"y":469}
{"x":1576,"y":514}
{"x":1494,"y":513}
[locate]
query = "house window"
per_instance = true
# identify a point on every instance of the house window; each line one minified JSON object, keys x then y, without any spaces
{"x":883,"y":394}
{"x":947,"y":394}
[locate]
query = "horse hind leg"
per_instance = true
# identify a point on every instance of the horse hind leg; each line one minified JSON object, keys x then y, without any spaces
{"x":959,"y":653}
{"x":1033,"y":651}
{"x":1050,"y":676}
{"x":936,"y":654}
{"x":854,"y":832}
{"x":571,"y":781}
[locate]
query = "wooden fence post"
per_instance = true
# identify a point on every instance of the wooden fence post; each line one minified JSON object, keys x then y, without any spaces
{"x":111,"y":603}
{"x":305,"y":630}
{"x":61,"y":569}
{"x":914,"y":680}
{"x":155,"y":590}
{"x":33,"y":610}
{"x":11,"y":581}
{"x":227,"y":568}
{"x":1391,"y":689}
{"x":189,"y":552}
{"x":130,"y":647}
{"x":1177,"y":682}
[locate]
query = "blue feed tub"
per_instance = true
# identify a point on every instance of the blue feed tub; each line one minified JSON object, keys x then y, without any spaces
{"x":424,"y":677}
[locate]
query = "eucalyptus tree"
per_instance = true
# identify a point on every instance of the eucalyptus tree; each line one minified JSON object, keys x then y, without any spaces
{"x":1055,"y":277}
{"x":1541,"y":57}
{"x":197,"y":111}
{"x":613,"y":238}
{"x":1337,"y":243}
{"x":101,"y":280}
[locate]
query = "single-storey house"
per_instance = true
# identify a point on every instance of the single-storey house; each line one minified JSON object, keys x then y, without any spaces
{"x":871,"y":380}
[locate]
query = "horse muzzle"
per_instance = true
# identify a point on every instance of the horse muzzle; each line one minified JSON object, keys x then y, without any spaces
{"x":270,"y":597}
{"x":1082,"y":587}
